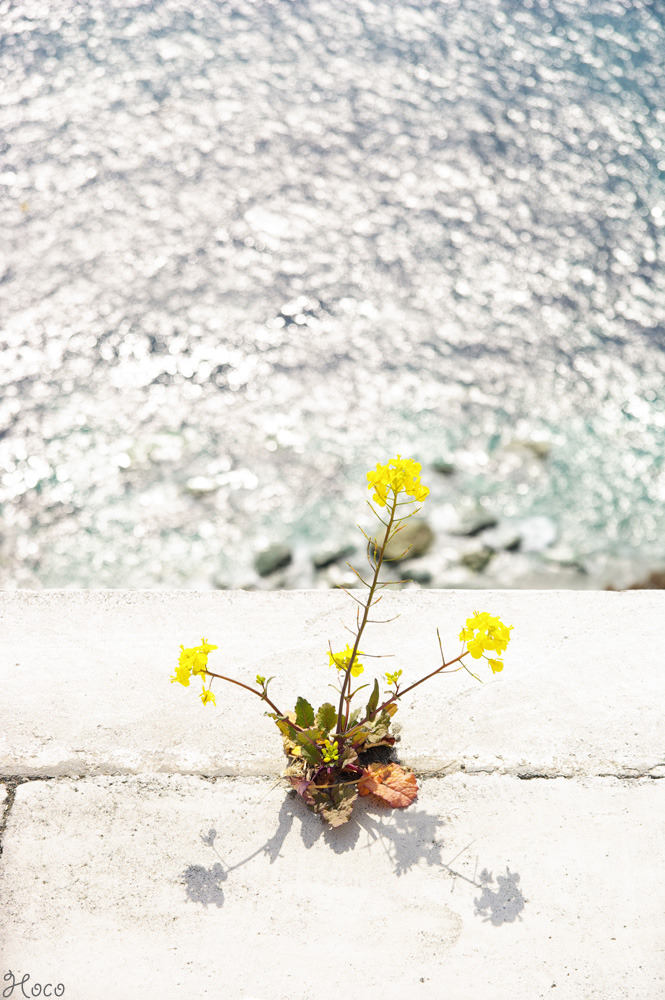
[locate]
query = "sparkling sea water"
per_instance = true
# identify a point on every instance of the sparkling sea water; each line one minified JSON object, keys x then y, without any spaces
{"x":265,"y":245}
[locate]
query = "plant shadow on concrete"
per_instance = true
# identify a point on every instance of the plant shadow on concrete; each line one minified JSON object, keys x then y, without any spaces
{"x":409,"y":839}
{"x":504,"y":904}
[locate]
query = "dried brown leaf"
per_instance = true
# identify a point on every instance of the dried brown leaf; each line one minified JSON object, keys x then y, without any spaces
{"x":294,"y":770}
{"x":391,"y":784}
{"x":333,"y":803}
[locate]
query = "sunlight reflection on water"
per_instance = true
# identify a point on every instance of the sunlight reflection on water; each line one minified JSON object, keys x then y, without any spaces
{"x":268,"y":245}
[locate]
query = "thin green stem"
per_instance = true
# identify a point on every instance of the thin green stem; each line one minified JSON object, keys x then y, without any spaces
{"x":342,"y":713}
{"x":260,"y":694}
{"x":395,"y":697}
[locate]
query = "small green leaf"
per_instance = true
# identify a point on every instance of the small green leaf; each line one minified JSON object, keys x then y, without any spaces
{"x":373,"y":699}
{"x":304,"y":713}
{"x":380,"y":731}
{"x":284,"y":725}
{"x":382,"y":723}
{"x":359,"y":736}
{"x":380,"y":740}
{"x":353,"y":718}
{"x":310,"y":750}
{"x":326,"y":717}
{"x":286,"y":729}
{"x":312,"y":755}
{"x":313,"y":733}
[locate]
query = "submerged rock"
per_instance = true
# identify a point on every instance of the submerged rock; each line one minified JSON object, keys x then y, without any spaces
{"x":539,"y":448}
{"x":477,"y":561}
{"x":563,"y":557}
{"x":473,"y":522}
{"x":275,"y":557}
{"x":416,"y":536}
{"x":502,"y":537}
{"x":329,"y":554}
{"x":423,"y":577}
{"x":443,"y":467}
{"x":655,"y":581}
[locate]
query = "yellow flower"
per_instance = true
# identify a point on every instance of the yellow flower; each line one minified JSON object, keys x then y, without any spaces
{"x":206,"y":647}
{"x":193,"y":660}
{"x":341,"y":660}
{"x":475,"y":647}
{"x":485,"y":632}
{"x":401,"y":475}
{"x":330,"y":751}
{"x":181,"y":676}
{"x":207,"y":696}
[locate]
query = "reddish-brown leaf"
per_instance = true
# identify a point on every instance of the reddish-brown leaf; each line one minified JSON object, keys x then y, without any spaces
{"x":302,"y":786}
{"x":390,"y":783}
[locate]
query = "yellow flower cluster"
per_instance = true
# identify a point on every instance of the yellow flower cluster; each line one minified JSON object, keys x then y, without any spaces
{"x":401,"y":475}
{"x":330,"y":751}
{"x":341,"y":660}
{"x":192,"y":663}
{"x":486,"y":632}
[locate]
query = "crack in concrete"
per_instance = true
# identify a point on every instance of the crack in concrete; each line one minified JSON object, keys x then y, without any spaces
{"x":530,"y":775}
{"x":11,"y":783}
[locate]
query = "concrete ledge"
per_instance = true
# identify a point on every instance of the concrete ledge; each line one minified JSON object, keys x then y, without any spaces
{"x":487,"y":887}
{"x":84,"y":680}
{"x":118,"y":880}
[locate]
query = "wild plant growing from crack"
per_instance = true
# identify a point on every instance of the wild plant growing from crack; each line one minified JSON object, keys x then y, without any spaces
{"x":328,"y":749}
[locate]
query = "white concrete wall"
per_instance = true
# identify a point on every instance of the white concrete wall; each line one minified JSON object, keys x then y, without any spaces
{"x":84,"y":680}
{"x":128,"y":869}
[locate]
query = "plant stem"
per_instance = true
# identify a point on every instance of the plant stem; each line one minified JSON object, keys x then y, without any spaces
{"x":248,"y":688}
{"x":342,"y":713}
{"x":394,"y":697}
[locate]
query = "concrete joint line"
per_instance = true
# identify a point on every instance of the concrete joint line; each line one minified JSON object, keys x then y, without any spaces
{"x":527,"y":775}
{"x":11,"y":783}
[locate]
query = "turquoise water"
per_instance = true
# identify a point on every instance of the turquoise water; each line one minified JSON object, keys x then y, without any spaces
{"x":272,"y":243}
